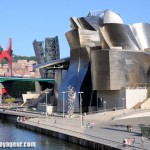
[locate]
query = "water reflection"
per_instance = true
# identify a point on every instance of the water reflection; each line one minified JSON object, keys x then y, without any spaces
{"x":9,"y":133}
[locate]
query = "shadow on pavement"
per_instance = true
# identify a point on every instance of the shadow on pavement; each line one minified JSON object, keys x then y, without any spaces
{"x":122,"y":130}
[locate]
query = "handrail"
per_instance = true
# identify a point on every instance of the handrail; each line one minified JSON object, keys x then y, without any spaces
{"x":130,"y":113}
{"x":103,"y":110}
{"x":41,"y":97}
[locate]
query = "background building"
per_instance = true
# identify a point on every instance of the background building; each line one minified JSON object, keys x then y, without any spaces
{"x":47,"y":54}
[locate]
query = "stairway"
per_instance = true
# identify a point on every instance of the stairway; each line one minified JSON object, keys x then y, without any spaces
{"x":41,"y":99}
{"x":145,"y":104}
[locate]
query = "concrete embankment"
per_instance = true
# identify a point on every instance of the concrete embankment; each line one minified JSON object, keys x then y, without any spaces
{"x":107,"y":134}
{"x":70,"y":135}
{"x":12,"y":115}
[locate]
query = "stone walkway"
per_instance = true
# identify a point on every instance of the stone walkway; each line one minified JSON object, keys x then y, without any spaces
{"x":105,"y":130}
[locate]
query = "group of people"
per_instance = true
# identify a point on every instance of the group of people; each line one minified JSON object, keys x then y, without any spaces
{"x":131,"y":142}
{"x":19,"y":118}
{"x":128,"y":141}
{"x":129,"y":128}
{"x":89,"y":124}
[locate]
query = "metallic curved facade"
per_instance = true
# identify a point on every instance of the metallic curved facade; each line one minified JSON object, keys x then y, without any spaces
{"x":141,"y":32}
{"x":114,"y":69}
{"x":79,"y":38}
{"x":106,"y":16}
{"x":118,"y":35}
{"x":76,"y":73}
{"x":111,"y":17}
{"x":105,"y":55}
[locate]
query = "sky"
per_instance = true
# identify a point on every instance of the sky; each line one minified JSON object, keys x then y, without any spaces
{"x":27,"y":20}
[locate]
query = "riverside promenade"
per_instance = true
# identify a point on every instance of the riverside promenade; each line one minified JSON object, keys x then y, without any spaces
{"x":105,"y":130}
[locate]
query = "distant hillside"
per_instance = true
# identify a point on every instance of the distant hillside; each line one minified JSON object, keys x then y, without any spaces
{"x":18,"y":57}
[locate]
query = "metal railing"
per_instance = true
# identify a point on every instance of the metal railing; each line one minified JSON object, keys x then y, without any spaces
{"x":132,"y":112}
{"x":104,"y":110}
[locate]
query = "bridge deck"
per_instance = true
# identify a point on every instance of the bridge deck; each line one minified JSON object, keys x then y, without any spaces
{"x":4,"y":79}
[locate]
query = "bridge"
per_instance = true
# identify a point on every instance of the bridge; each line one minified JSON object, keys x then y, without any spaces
{"x":7,"y":84}
{"x":5,"y":79}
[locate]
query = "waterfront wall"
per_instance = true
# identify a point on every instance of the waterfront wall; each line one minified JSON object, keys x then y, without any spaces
{"x":69,"y":138}
{"x":12,"y":118}
{"x":12,"y":115}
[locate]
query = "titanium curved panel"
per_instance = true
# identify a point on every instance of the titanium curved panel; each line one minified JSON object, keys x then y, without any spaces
{"x":111,"y":17}
{"x":116,"y":35}
{"x":85,"y":24}
{"x":94,"y":21}
{"x":100,"y":69}
{"x":107,"y":16}
{"x":103,"y":42}
{"x":141,"y":32}
{"x":79,"y":62}
{"x":74,"y":23}
{"x":82,"y":38}
{"x":131,"y":35}
{"x":114,"y":69}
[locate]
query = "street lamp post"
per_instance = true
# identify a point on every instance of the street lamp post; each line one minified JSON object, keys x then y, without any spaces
{"x":104,"y":107}
{"x":123,"y":106}
{"x":101,"y":100}
{"x":63,"y":103}
{"x":46,"y":103}
{"x":81,"y":107}
{"x":97,"y":104}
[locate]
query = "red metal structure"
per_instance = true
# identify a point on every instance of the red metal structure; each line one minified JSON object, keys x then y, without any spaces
{"x":7,"y":54}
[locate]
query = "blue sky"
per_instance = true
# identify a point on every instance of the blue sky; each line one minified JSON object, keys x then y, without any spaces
{"x":26,"y":20}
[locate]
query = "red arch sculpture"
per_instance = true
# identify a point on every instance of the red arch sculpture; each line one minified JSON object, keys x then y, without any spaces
{"x":8,"y":55}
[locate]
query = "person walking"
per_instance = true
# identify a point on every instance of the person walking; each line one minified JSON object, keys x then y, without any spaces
{"x":129,"y":141}
{"x":123,"y":142}
{"x":130,"y":128}
{"x":126,"y":142}
{"x":142,"y":140}
{"x":133,"y":143}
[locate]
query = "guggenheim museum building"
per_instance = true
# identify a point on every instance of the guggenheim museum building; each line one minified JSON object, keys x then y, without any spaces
{"x":109,"y":64}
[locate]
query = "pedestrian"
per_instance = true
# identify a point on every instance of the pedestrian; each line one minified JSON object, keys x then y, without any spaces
{"x":129,"y":141}
{"x":126,"y":142}
{"x":130,"y":128}
{"x":86,"y":124}
{"x":18,"y":118}
{"x":127,"y":128}
{"x":142,"y":140}
{"x":133,"y":142}
{"x":124,"y":145}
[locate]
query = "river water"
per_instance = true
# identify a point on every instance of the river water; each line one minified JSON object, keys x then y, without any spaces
{"x":10,"y":133}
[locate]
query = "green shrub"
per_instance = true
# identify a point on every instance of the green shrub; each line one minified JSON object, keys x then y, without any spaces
{"x":9,"y":100}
